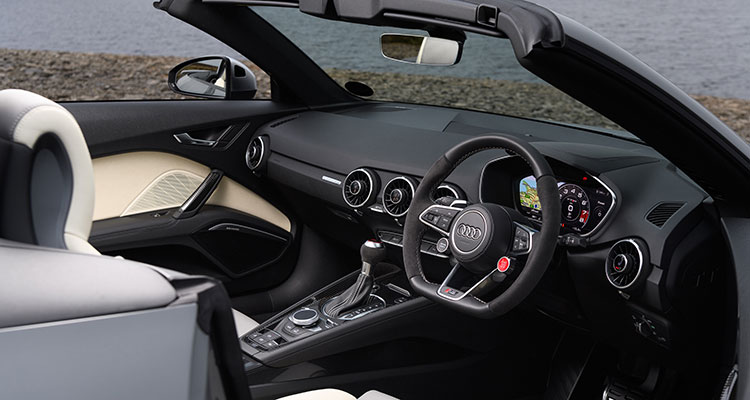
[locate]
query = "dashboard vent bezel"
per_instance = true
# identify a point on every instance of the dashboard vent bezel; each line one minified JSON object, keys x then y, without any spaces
{"x":372,"y":183}
{"x":255,"y":161}
{"x":399,"y":182}
{"x":631,"y":278}
{"x":662,"y":212}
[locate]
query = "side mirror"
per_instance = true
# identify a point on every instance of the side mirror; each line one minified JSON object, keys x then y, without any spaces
{"x":213,"y":77}
{"x":417,"y":49}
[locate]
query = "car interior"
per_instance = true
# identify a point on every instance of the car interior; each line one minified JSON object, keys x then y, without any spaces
{"x":320,"y":245}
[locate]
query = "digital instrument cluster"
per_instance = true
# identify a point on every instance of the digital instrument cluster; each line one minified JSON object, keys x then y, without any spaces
{"x":584,"y":203}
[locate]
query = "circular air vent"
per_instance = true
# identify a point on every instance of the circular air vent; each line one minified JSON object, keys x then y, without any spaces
{"x":626,"y":263}
{"x":360,"y":187}
{"x":449,"y":190}
{"x":256,"y":150}
{"x":397,"y":196}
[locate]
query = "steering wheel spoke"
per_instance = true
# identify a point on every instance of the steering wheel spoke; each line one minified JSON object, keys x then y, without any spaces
{"x":447,"y":291}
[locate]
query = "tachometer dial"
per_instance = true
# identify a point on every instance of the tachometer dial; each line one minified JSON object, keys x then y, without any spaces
{"x":575,"y":206}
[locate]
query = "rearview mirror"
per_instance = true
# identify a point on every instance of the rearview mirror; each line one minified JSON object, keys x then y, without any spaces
{"x":213,"y":77}
{"x":417,"y":49}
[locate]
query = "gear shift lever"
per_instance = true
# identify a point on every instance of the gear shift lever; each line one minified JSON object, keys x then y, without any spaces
{"x":372,"y":252}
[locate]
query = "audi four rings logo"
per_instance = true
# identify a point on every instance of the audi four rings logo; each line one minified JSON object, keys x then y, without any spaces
{"x":469,"y":232}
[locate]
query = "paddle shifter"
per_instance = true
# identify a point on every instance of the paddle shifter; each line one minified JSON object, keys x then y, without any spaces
{"x":358,"y":294}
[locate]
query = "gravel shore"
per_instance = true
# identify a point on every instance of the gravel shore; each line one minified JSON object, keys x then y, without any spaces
{"x":66,"y":76}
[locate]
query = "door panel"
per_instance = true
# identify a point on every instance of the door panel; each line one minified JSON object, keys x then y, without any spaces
{"x":145,"y":169}
{"x":138,"y":182}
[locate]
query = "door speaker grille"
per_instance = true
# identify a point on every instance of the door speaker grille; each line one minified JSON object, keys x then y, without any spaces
{"x":167,"y":191}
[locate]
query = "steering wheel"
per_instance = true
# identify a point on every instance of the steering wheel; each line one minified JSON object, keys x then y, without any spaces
{"x":492,"y":248}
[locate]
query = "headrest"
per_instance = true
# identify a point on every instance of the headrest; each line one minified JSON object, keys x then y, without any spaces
{"x":46,"y":176}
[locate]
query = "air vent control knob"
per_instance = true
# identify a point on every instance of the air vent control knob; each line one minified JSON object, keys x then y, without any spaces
{"x":355,"y":188}
{"x":397,"y":195}
{"x":621,"y":263}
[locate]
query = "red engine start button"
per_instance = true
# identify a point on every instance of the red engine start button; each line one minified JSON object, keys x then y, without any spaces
{"x":503,"y":264}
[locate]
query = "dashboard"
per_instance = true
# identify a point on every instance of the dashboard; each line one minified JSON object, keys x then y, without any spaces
{"x":351,"y":172}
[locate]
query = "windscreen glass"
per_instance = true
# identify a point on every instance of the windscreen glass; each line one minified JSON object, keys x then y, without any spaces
{"x":487,"y":78}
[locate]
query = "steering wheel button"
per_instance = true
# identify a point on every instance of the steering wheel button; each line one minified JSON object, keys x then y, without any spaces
{"x":503,"y":264}
{"x":442,"y":245}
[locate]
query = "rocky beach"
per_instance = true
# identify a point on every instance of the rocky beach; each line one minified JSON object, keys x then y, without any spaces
{"x":69,"y":76}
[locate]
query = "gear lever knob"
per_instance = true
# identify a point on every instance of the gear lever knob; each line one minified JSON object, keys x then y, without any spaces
{"x":372,"y":252}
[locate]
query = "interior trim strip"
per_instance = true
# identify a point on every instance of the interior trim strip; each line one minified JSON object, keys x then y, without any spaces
{"x":331,"y":180}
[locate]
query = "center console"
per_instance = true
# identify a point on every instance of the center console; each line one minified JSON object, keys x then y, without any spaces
{"x":359,"y":308}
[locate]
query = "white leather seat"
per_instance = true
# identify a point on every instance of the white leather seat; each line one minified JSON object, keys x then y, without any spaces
{"x":335,"y":394}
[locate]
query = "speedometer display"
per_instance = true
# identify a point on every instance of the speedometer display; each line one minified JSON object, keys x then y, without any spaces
{"x":575,"y":207}
{"x":584,"y":202}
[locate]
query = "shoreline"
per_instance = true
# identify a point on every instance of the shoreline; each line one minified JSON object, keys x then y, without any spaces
{"x":74,"y":76}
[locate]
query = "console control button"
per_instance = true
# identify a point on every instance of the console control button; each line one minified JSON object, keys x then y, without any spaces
{"x":271,"y":335}
{"x":294,"y":330}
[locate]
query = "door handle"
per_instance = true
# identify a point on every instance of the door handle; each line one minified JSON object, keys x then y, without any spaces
{"x":195,"y":202}
{"x":185,"y":138}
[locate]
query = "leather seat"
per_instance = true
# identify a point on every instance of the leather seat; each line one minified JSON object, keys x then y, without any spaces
{"x":47,"y":190}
